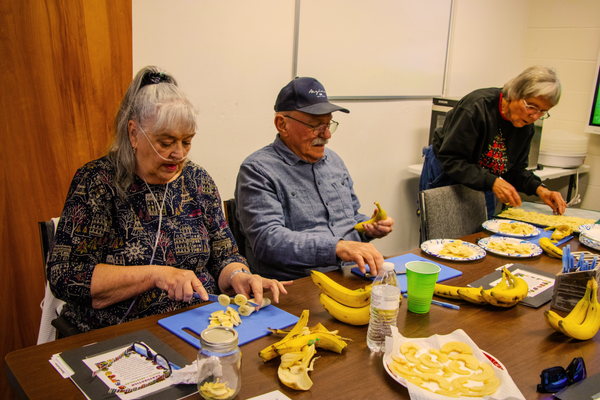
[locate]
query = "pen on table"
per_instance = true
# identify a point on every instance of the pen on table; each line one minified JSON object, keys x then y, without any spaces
{"x":441,"y":303}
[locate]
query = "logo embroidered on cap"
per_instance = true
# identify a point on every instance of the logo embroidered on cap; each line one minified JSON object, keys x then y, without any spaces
{"x":318,"y":92}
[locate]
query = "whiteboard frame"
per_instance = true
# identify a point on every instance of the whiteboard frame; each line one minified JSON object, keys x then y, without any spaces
{"x":399,"y":97}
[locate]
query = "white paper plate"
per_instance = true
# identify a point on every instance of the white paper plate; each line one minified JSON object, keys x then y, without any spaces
{"x":591,"y":231}
{"x":434,"y":246}
{"x":485,"y":244}
{"x":493,"y":225}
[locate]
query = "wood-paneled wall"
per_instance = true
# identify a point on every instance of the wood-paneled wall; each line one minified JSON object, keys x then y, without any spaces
{"x":64,"y":67}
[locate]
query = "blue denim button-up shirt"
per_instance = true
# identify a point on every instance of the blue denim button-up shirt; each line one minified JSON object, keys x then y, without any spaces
{"x":293,"y":212}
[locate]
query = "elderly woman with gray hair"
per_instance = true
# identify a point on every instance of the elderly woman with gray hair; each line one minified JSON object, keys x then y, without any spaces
{"x":484,"y":143}
{"x":142,"y":230}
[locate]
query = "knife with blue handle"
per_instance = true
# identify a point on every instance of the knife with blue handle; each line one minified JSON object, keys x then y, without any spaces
{"x":215,"y":298}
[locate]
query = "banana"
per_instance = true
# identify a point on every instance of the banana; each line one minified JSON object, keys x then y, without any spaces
{"x":550,"y":248}
{"x":321,"y":340}
{"x":472,"y":295}
{"x":590,"y":326}
{"x":381,"y":214}
{"x":516,"y":292}
{"x":268,"y":353}
{"x":339,"y":293}
{"x":450,"y":292}
{"x":577,"y":314}
{"x":503,"y":285}
{"x":348,"y":315}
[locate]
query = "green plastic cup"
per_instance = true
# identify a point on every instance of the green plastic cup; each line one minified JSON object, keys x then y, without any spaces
{"x":421,"y":277}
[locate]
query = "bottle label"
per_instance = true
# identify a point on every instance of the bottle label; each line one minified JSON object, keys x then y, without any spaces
{"x":385,"y":297}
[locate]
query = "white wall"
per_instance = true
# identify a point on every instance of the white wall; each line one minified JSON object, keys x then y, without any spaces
{"x":233,"y":57}
{"x":566,"y":36}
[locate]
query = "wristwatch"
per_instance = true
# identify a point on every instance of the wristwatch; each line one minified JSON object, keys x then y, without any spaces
{"x":245,"y":271}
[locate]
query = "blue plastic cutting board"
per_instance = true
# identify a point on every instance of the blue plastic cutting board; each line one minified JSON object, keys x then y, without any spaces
{"x":536,"y":239}
{"x":399,"y":263}
{"x":251,"y":328}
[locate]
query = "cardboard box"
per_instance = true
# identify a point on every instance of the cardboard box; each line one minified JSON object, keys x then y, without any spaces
{"x":569,"y":288}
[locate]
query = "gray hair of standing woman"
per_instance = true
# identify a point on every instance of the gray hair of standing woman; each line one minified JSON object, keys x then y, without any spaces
{"x":534,"y":82}
{"x":154,"y":101}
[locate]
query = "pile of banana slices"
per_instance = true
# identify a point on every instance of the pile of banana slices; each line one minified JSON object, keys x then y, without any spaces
{"x":583,"y":322}
{"x":507,"y":293}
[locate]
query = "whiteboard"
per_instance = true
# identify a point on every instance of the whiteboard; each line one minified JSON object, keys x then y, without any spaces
{"x":375,"y":48}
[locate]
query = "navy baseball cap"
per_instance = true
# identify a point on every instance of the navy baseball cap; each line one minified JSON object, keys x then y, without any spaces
{"x":306,"y":95}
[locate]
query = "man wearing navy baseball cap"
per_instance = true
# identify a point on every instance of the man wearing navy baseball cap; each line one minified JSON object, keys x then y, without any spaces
{"x":295,"y":199}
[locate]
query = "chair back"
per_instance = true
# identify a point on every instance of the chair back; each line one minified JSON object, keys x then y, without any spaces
{"x":450,"y":212}
{"x":52,"y":325}
{"x":234,"y":225}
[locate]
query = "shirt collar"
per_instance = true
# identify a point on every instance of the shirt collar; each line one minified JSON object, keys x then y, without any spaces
{"x":288,"y":156}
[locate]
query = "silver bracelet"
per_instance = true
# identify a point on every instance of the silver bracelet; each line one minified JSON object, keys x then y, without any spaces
{"x":245,"y":271}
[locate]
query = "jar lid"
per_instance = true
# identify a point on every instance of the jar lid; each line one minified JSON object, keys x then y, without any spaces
{"x":219,"y":338}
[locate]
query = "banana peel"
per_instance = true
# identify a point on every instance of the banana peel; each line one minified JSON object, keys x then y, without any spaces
{"x":380,"y":215}
{"x":294,"y":368}
{"x":268,"y":353}
{"x":560,"y":232}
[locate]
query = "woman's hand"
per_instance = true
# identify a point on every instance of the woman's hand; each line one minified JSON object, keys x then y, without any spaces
{"x":553,"y":199}
{"x":250,"y":285}
{"x":506,"y":193}
{"x":179,"y":283}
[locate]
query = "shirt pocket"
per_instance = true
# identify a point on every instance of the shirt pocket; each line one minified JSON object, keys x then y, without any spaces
{"x":300,"y":214}
{"x":344,"y":194}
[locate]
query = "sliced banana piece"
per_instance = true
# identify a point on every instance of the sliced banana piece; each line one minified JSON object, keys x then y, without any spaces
{"x":224,"y":300}
{"x":245,"y":310}
{"x":240,"y":300}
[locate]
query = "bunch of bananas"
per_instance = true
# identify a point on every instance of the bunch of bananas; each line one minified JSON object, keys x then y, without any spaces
{"x":507,"y":293}
{"x":550,"y":249}
{"x":349,"y":306}
{"x":298,"y":348}
{"x":583,"y":322}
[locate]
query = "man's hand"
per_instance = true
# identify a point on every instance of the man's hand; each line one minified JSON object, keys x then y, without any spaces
{"x":506,"y":193}
{"x":361,"y":254}
{"x":553,"y":199}
{"x":379,"y":229}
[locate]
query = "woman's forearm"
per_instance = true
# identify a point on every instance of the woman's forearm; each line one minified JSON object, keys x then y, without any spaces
{"x":114,"y":283}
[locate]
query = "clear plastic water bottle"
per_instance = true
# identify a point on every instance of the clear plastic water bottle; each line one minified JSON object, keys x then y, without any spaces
{"x":385,"y":302}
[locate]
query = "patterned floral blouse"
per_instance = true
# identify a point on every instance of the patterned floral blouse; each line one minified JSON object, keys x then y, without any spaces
{"x":99,"y":227}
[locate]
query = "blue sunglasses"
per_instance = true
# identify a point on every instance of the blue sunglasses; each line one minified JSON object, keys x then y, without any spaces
{"x":556,"y":378}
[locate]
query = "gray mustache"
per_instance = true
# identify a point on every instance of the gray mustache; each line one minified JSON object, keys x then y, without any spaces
{"x":320,"y":141}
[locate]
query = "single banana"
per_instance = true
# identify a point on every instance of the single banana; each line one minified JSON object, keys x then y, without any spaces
{"x":321,"y":340}
{"x":472,"y":295}
{"x":348,"y":315}
{"x":550,"y":248}
{"x":502,"y":285}
{"x":268,"y":353}
{"x":590,"y":326}
{"x":513,"y":294}
{"x":339,"y":293}
{"x":450,"y":292}
{"x":381,"y":214}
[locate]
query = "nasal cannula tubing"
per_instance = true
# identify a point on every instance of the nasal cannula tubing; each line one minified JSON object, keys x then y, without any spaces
{"x":157,"y":232}
{"x":156,"y":151}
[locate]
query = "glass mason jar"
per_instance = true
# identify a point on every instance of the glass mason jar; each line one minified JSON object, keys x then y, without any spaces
{"x":219,"y":363}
